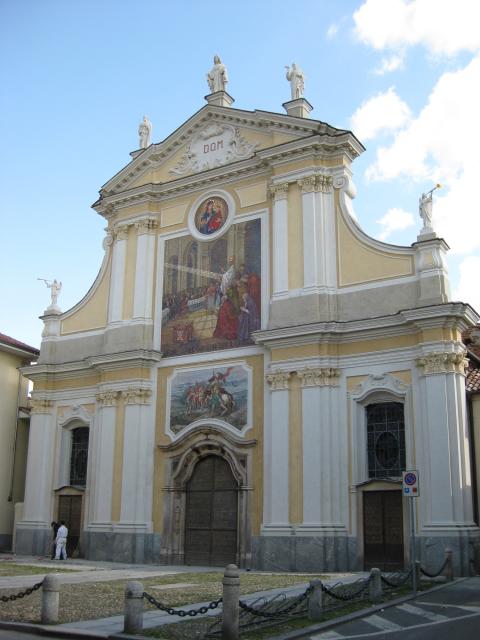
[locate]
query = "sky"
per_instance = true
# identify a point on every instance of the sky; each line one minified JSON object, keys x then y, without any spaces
{"x":77,"y":76}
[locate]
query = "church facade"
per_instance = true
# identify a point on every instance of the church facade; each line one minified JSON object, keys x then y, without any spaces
{"x":250,"y":373}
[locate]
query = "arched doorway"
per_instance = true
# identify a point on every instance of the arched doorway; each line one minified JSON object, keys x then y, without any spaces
{"x":211,"y":518}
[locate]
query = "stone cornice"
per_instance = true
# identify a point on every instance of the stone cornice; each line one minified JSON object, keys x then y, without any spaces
{"x":443,"y":362}
{"x":319,"y":377}
{"x":278,"y":380}
{"x":408,"y":322}
{"x":108,"y":362}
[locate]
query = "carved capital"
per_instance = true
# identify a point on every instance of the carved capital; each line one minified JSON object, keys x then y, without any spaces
{"x":121,"y":232}
{"x":441,"y":362}
{"x":278,"y":380}
{"x":308,"y":184}
{"x":279,"y":191}
{"x":40,"y":405}
{"x":324,"y":183}
{"x":320,"y":377}
{"x":137,"y":395}
{"x":107,"y":398}
{"x":147,"y":225}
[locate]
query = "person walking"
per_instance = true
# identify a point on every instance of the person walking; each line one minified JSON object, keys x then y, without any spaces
{"x":61,"y":540}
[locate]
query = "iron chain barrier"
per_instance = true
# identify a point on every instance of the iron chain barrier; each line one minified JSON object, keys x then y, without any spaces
{"x":345,"y":597}
{"x":182,"y":613}
{"x":434,"y":575}
{"x":21,"y":594}
{"x":278,"y":612}
{"x":403,"y":579}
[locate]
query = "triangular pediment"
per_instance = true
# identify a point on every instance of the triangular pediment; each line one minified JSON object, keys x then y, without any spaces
{"x":213,"y":137}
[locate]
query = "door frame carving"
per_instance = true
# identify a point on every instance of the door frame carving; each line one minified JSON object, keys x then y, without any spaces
{"x":181,"y":457}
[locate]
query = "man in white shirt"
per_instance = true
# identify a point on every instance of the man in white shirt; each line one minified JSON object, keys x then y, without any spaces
{"x":61,"y":542}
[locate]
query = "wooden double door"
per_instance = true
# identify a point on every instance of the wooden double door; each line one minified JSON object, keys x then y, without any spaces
{"x":70,"y":511}
{"x":211,"y":518}
{"x":383,"y":530}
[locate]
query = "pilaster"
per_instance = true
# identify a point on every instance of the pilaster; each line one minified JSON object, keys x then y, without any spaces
{"x":117,"y":281}
{"x":276,"y":465}
{"x":431,"y":265}
{"x":144,"y":275}
{"x":279,"y":193}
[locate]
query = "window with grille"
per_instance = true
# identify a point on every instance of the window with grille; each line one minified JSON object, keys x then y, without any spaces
{"x":79,"y":457}
{"x":385,"y":440}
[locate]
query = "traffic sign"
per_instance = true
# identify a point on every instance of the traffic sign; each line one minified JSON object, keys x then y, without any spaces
{"x":410,"y":487}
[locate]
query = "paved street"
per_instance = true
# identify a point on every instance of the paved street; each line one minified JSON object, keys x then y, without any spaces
{"x":452,"y":612}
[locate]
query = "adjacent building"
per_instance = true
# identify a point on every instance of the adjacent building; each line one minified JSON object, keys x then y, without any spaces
{"x":250,"y":373}
{"x":14,"y":428}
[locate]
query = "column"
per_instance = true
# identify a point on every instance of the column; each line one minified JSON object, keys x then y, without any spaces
{"x":325,"y":461}
{"x":276,"y":504}
{"x":442,"y":439}
{"x":138,"y":451}
{"x":280,"y":239}
{"x":117,"y":277}
{"x":40,"y":464}
{"x":103,"y":458}
{"x":144,"y":276}
{"x":310,"y":232}
{"x":327,"y":272}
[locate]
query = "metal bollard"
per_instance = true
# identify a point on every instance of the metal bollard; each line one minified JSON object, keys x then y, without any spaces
{"x":417,"y":571}
{"x":231,"y":597}
{"x":50,"y":599}
{"x":449,"y":565}
{"x":375,"y":589}
{"x":315,"y":600}
{"x":133,"y":618}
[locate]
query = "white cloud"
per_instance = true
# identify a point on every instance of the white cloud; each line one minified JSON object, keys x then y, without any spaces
{"x":468,"y":289}
{"x":441,"y":27}
{"x":395,"y":220}
{"x":441,"y":145}
{"x":383,"y":112}
{"x":392,"y":63}
{"x":332,"y":31}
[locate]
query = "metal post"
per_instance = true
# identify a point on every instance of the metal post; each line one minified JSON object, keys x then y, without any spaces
{"x":50,"y":599}
{"x":413,"y":546}
{"x":449,"y":565}
{"x":231,"y":597}
{"x":133,"y":618}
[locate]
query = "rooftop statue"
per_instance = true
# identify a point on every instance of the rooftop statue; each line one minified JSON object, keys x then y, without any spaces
{"x":145,"y":132}
{"x":425,"y":210}
{"x":296,"y":77}
{"x":55,"y":288}
{"x":217,"y":77}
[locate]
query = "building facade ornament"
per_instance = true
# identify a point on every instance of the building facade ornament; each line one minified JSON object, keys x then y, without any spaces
{"x":121,"y":232}
{"x":279,"y":191}
{"x":214,"y":146}
{"x":319,"y":377}
{"x":217,"y":77}
{"x":107,"y":398}
{"x":278,"y":380}
{"x":308,"y":184}
{"x":108,"y":239}
{"x":137,"y":395}
{"x":296,"y":77}
{"x":441,"y":362}
{"x":41,"y":405}
{"x":147,"y":225}
{"x":144,"y":132}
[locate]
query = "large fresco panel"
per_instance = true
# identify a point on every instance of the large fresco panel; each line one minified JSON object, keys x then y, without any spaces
{"x":212,"y":291}
{"x":209,"y":394}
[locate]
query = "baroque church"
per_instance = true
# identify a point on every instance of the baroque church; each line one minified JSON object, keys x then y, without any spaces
{"x":250,"y":373}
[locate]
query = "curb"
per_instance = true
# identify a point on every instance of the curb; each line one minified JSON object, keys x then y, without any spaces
{"x":51,"y":630}
{"x":361,"y":613}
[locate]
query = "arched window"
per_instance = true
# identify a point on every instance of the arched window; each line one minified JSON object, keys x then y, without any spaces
{"x":385,"y":439}
{"x":79,"y":457}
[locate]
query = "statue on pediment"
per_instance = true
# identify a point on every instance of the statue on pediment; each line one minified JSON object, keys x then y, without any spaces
{"x":217,"y":77}
{"x":144,"y":132}
{"x":425,"y":204}
{"x":55,"y":287}
{"x":296,"y":77}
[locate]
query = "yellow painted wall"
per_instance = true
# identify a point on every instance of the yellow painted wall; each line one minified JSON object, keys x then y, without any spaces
{"x":359,"y":263}
{"x":295,"y":451}
{"x":93,"y":313}
{"x":129,"y":277}
{"x":118,"y":460}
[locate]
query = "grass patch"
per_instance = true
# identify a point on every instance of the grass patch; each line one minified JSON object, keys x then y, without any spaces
{"x":92,"y":600}
{"x":12,"y":569}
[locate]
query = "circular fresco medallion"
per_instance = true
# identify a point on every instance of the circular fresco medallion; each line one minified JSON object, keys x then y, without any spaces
{"x":211,"y":215}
